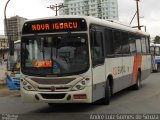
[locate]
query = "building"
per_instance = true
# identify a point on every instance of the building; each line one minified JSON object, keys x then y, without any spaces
{"x":15,"y":24}
{"x":3,"y":42}
{"x":3,"y":47}
{"x":3,"y":57}
{"x":103,"y":9}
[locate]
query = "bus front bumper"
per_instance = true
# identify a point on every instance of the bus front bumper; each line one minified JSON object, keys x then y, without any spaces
{"x":81,"y":96}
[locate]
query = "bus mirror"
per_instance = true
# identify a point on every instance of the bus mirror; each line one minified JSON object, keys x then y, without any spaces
{"x":11,"y":47}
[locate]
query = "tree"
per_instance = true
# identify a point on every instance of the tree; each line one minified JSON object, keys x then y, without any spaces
{"x":157,"y":39}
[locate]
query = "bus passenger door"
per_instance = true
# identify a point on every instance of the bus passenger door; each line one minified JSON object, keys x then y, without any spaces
{"x":98,"y":65}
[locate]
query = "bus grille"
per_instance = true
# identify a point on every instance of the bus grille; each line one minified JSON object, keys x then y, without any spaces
{"x":48,"y":89}
{"x":53,"y":81}
{"x":53,"y":96}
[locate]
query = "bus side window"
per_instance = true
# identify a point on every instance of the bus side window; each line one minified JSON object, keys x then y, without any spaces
{"x":117,"y":43}
{"x":138,"y":45}
{"x":132,"y":44}
{"x":109,"y":42}
{"x":147,"y":44}
{"x":125,"y":43}
{"x":157,"y":50}
{"x":97,"y":47}
{"x":144,"y":48}
{"x":152,"y":50}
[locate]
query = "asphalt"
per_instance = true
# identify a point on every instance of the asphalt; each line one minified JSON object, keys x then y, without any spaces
{"x":5,"y":92}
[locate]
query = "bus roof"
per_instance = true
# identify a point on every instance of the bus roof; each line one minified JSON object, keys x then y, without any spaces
{"x":93,"y":20}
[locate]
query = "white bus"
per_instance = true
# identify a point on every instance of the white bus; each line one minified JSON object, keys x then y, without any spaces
{"x":73,"y":59}
{"x":155,"y":53}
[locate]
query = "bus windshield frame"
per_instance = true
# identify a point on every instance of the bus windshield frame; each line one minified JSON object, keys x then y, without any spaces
{"x":55,"y":54}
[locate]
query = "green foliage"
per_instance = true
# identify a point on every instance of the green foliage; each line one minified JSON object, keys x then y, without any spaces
{"x":157,"y":39}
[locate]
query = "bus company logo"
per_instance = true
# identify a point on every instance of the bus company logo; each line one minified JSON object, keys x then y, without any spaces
{"x":53,"y":88}
{"x":119,"y":70}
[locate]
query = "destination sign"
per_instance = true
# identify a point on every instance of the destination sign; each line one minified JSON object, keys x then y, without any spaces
{"x":54,"y":25}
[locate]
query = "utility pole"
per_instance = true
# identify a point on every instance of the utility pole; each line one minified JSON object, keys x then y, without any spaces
{"x":56,"y":8}
{"x":139,"y":27}
{"x":5,"y":18}
{"x":10,"y":41}
{"x":138,"y":18}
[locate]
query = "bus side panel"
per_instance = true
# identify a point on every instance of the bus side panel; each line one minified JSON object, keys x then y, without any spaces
{"x":146,"y":66}
{"x":125,"y":74}
{"x":142,"y":63}
{"x":114,"y":66}
{"x":98,"y":82}
{"x":137,"y":64}
{"x":128,"y":64}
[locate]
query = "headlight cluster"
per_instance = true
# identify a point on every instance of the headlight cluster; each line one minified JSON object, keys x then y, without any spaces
{"x":80,"y":85}
{"x":27,"y":86}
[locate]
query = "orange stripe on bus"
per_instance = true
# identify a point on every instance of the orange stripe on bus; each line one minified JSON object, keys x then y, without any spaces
{"x":137,"y":64}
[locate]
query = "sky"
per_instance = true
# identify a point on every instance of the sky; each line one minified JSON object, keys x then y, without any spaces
{"x":149,"y":12}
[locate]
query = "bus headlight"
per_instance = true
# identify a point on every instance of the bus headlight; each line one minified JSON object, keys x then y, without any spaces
{"x":27,"y":86}
{"x":80,"y":85}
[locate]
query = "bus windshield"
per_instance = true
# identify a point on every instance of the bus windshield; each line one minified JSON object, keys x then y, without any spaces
{"x":54,"y":54}
{"x":13,"y":63}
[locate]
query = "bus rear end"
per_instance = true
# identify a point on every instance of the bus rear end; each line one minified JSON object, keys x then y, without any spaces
{"x":155,"y":53}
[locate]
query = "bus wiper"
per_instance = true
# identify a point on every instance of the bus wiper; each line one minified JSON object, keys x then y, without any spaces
{"x":43,"y":53}
{"x":42,"y":49}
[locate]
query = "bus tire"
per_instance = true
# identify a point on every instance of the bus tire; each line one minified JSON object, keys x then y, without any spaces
{"x":138,"y":82}
{"x":107,"y":97}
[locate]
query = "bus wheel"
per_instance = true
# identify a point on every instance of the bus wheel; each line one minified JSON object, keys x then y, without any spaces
{"x":107,"y":97}
{"x":138,"y":82}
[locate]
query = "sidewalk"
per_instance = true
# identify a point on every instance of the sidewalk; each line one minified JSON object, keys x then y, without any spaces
{"x":2,"y":72}
{"x":5,"y":92}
